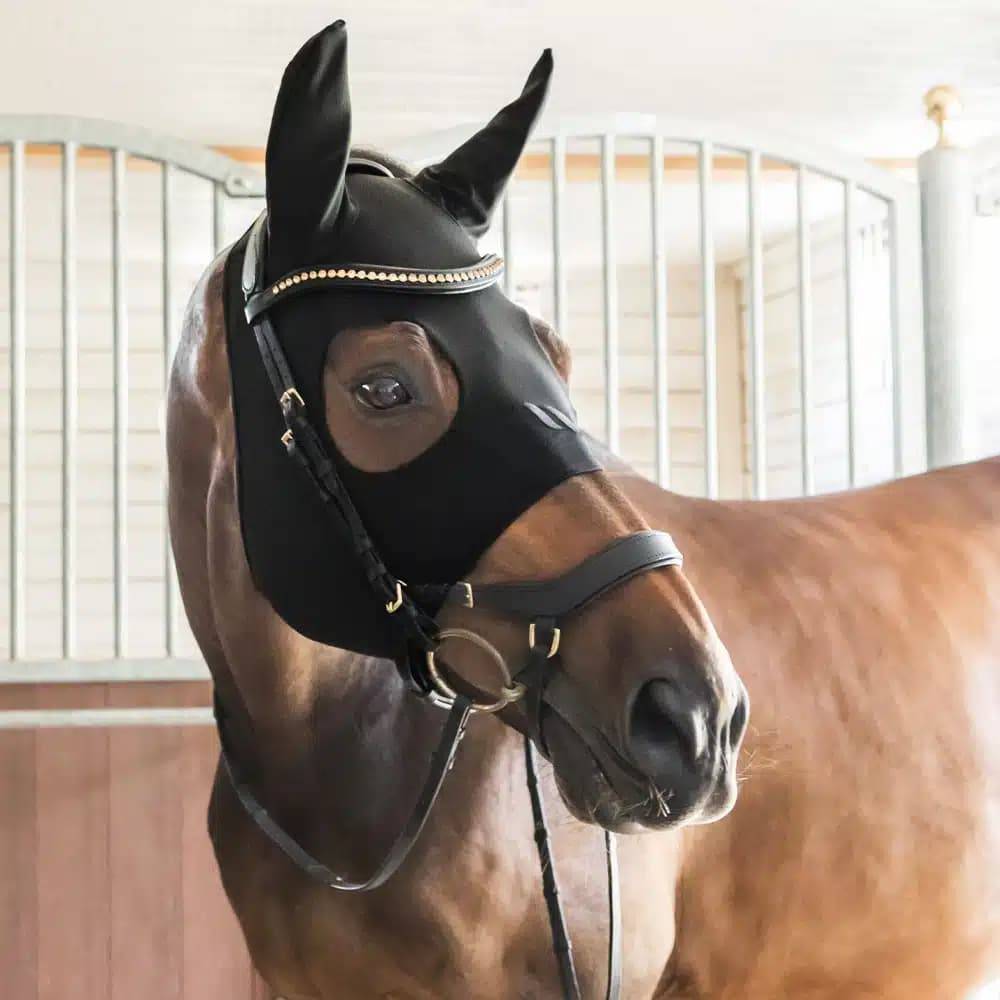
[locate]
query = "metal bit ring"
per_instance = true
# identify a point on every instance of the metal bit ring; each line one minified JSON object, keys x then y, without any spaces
{"x":510,"y":692}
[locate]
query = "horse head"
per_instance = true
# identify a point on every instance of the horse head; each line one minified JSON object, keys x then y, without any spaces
{"x":440,"y":447}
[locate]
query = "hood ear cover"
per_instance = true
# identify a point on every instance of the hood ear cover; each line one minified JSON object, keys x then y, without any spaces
{"x":308,"y":147}
{"x":309,"y":144}
{"x":470,"y":181}
{"x":323,"y":213}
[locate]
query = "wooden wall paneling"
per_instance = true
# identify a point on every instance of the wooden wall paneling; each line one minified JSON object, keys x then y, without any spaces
{"x":73,"y":876}
{"x":216,"y":963}
{"x":108,"y":884}
{"x":18,"y":853}
{"x":145,"y":853}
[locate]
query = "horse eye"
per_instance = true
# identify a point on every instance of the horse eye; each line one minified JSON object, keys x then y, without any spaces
{"x":382,"y":392}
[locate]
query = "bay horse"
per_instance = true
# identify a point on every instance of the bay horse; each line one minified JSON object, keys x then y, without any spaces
{"x":862,"y":859}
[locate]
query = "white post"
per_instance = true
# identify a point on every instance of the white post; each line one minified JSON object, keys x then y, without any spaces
{"x":947,"y":207}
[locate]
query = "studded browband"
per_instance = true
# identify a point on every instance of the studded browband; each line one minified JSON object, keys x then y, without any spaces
{"x":443,"y":281}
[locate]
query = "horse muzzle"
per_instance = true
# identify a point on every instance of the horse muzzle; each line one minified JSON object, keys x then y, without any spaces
{"x":673,"y":764}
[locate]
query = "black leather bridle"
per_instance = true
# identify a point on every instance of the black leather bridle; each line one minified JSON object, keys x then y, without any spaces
{"x":546,"y":607}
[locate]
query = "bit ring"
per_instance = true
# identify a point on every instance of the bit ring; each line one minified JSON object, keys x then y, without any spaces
{"x":510,"y":692}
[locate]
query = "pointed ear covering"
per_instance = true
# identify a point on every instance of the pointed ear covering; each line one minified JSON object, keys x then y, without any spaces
{"x":470,"y":181}
{"x":308,"y":148}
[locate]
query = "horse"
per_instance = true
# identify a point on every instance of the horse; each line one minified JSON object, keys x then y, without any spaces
{"x":858,"y":861}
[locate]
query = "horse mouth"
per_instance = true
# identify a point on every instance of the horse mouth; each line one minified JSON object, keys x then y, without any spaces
{"x":596,"y":788}
{"x":601,"y":787}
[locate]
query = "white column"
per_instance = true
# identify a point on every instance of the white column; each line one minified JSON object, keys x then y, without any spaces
{"x":947,"y":207}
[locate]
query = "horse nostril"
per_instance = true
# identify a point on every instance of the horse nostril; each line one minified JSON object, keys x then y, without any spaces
{"x":738,"y":722}
{"x":666,"y":727}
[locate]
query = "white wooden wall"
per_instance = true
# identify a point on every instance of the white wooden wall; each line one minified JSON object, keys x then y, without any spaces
{"x":532,"y":269}
{"x":871,"y":359}
{"x":191,"y":249}
{"x":684,"y":366}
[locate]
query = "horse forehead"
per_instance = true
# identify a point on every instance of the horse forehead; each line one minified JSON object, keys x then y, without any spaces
{"x":395,"y":223}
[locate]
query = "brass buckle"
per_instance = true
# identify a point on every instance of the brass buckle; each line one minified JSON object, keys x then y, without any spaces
{"x":553,"y":646}
{"x":291,"y":394}
{"x":468,"y":601}
{"x":397,"y":602}
{"x":510,"y":692}
{"x":287,"y":438}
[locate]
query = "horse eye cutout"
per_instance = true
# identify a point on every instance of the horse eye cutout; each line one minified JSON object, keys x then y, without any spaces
{"x":382,"y":393}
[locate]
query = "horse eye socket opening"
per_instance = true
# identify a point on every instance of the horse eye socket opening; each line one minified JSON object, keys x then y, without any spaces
{"x":382,"y":392}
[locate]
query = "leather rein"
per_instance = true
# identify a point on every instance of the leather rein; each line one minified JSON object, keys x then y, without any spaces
{"x":545,"y":606}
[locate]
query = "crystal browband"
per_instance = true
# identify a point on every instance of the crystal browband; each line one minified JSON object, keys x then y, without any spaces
{"x":441,"y":281}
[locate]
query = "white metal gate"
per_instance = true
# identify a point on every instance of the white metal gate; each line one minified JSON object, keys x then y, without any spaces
{"x":155,"y":644}
{"x":853,"y":178}
{"x":49,"y":318}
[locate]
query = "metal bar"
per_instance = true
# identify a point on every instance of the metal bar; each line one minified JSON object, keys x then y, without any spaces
{"x":429,"y":148}
{"x":755,"y":316}
{"x":507,"y":237}
{"x":947,"y":214}
{"x":70,"y":390}
{"x":240,"y":180}
{"x":895,"y":334}
{"x":243,"y":180}
{"x":661,"y":383}
{"x":218,"y":216}
{"x":18,"y":391}
{"x":559,"y":294}
{"x":611,"y":377}
{"x":805,"y":333}
{"x":102,"y":718}
{"x":101,"y":671}
{"x":708,"y":320}
{"x":849,"y":333}
{"x":120,"y":350}
{"x":169,"y":574}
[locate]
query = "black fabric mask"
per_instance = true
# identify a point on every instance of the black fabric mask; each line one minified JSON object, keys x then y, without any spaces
{"x":514,"y":436}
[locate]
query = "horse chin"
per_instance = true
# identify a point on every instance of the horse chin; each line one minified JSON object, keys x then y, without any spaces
{"x":597,"y":793}
{"x":589,"y":793}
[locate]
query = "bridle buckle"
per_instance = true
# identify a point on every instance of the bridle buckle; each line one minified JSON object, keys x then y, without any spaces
{"x":397,"y":602}
{"x":553,"y":645}
{"x":289,"y":396}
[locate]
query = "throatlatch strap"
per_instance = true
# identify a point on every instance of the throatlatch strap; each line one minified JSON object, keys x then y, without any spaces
{"x":441,"y":761}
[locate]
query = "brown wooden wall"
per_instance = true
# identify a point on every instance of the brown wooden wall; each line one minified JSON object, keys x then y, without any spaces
{"x":108,"y":886}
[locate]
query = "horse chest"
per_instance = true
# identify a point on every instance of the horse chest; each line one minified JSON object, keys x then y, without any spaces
{"x":464,"y":918}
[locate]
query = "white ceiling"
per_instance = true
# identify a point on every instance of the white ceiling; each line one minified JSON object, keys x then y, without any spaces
{"x":849,"y":73}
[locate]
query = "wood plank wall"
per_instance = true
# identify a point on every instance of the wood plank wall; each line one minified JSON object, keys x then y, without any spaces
{"x":872,"y":360}
{"x":108,"y":885}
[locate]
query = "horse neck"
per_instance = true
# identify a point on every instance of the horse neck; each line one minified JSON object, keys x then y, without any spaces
{"x":318,"y":702}
{"x":347,"y":748}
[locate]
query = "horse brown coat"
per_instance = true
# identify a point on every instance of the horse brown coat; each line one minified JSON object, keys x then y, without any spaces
{"x":861,"y":861}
